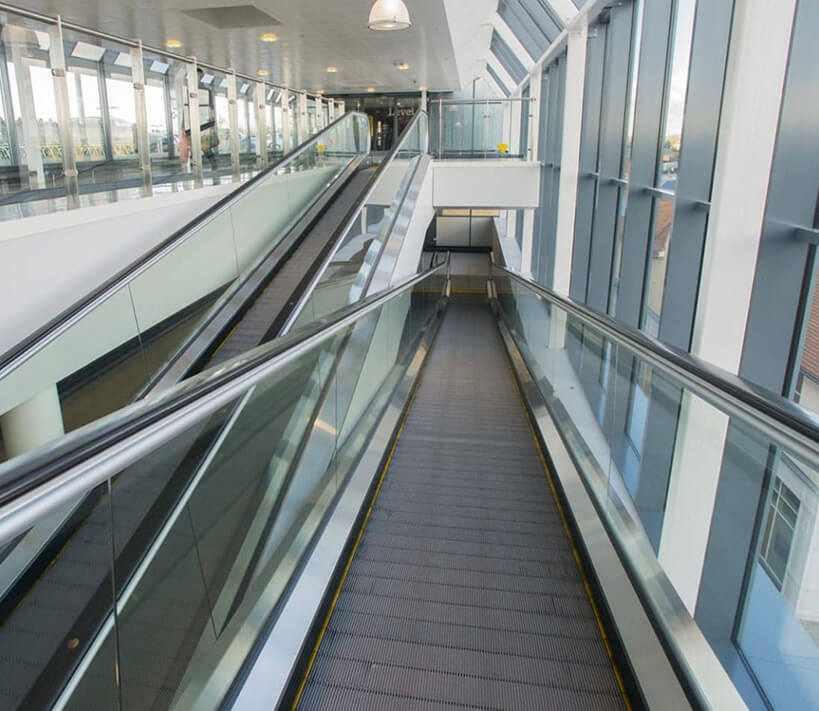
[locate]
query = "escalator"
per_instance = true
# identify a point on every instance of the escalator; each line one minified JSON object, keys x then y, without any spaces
{"x":36,"y":566}
{"x":160,"y":318}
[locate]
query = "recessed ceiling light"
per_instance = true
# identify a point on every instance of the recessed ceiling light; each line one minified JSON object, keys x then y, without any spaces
{"x":371,"y":90}
{"x":402,"y":66}
{"x":173,"y":43}
{"x":269,"y":37}
{"x":319,"y":91}
{"x":422,"y":88}
{"x":332,"y":70}
{"x":263,"y":72}
{"x":389,"y":15}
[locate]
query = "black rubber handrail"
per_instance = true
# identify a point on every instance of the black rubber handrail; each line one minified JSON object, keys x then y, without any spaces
{"x":43,"y":335}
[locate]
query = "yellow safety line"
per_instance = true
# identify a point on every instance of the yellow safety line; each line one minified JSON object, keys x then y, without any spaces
{"x":333,"y":602}
{"x":572,"y":544}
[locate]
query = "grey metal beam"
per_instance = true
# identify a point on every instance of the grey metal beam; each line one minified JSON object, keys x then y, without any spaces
{"x":612,"y":131}
{"x":646,"y":151}
{"x":709,"y":53}
{"x":589,"y":148}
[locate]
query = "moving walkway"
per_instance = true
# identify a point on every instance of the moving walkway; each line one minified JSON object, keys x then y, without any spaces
{"x":414,"y":498}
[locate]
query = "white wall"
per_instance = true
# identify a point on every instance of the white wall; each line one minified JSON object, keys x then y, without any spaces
{"x":486,"y":183}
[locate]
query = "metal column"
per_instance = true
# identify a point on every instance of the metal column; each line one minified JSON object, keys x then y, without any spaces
{"x":284,"y":99}
{"x":261,"y":126}
{"x":193,"y":120}
{"x":57,"y":60}
{"x":141,"y":110}
{"x":302,"y":126}
{"x":233,"y":122}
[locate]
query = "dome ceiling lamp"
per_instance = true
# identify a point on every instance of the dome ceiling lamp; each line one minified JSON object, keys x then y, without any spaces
{"x":387,"y":15}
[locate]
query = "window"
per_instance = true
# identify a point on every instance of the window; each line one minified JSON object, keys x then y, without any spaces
{"x":509,"y":61}
{"x":780,"y":526}
{"x":668,"y":164}
{"x":533,"y":22}
{"x":497,"y":80}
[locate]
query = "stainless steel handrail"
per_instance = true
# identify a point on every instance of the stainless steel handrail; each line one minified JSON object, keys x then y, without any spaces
{"x":29,"y":347}
{"x":37,"y":482}
{"x":780,"y":419}
{"x":74,"y":27}
{"x":352,"y":216}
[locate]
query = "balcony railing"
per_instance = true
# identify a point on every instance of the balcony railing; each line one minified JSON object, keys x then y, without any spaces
{"x":83,"y":112}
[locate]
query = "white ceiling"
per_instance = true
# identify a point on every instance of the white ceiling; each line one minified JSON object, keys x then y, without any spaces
{"x":313,"y":34}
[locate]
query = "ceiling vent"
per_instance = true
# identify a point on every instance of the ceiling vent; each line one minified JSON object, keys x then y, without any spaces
{"x":232,"y":17}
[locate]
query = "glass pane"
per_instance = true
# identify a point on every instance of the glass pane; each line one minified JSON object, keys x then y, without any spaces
{"x":167,"y":111}
{"x":676,"y":88}
{"x":56,"y":588}
{"x":214,"y":125}
{"x":658,"y":261}
{"x":32,"y":115}
{"x":684,"y":484}
{"x":210,"y":527}
{"x":350,"y":272}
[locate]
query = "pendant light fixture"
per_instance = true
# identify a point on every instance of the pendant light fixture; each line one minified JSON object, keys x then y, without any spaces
{"x":389,"y":15}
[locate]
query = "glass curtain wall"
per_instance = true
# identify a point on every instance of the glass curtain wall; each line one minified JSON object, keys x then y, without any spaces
{"x":778,"y":632}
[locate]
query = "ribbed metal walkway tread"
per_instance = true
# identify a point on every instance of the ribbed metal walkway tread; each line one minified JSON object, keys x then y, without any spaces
{"x":281,"y":291}
{"x":464,"y":592}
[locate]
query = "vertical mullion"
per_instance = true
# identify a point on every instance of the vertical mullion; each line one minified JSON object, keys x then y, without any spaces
{"x":652,"y":87}
{"x":613,"y":119}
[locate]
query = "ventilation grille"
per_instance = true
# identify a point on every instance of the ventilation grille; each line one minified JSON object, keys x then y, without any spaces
{"x":233,"y":17}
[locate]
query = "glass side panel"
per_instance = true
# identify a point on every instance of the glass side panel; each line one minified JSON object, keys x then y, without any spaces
{"x":104,"y":360}
{"x":471,"y":130}
{"x":202,"y":534}
{"x":348,"y":275}
{"x":717,"y":520}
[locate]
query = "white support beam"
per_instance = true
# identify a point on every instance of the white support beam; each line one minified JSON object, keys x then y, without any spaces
{"x":570,"y":157}
{"x":490,"y":80}
{"x":565,"y":9}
